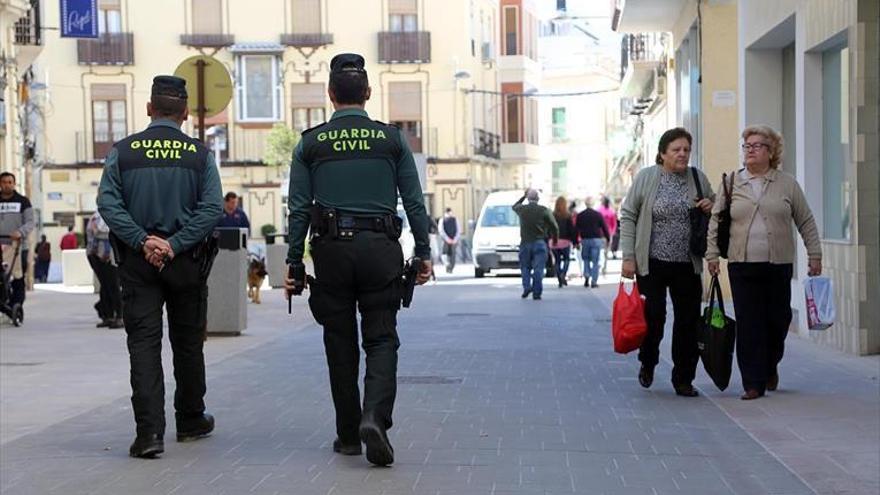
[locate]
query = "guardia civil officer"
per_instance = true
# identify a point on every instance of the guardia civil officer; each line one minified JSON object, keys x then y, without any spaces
{"x":344,"y":182}
{"x":160,"y":195}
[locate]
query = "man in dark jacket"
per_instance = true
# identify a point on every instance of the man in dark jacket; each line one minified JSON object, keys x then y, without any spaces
{"x":450,"y":231}
{"x":233,"y":216}
{"x":160,"y":196}
{"x":536,"y":225}
{"x":16,"y":223}
{"x":593,"y":234}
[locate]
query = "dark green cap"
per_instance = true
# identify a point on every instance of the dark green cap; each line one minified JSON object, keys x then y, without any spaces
{"x":172,"y":86}
{"x":347,"y":62}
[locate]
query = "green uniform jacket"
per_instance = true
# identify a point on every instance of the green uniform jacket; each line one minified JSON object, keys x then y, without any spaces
{"x":535,"y":221}
{"x":357,"y":166}
{"x":167,"y":184}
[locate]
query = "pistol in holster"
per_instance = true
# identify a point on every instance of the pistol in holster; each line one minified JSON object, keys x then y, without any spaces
{"x":205,"y":252}
{"x":118,"y":248}
{"x":323,"y":222}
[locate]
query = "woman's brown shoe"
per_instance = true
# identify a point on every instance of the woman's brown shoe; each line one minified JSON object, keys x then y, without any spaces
{"x":751,"y":394}
{"x":773,"y":382}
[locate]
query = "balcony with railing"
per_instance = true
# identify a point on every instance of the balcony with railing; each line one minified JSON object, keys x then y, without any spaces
{"x":207,"y":40}
{"x":107,"y":49}
{"x":307,"y":40}
{"x":404,"y":47}
{"x":642,"y":58}
{"x":487,"y":144}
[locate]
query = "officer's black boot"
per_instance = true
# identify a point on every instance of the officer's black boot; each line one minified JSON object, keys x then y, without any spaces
{"x":194,"y":428}
{"x":379,"y":450}
{"x":147,"y":446}
{"x":346,"y":449}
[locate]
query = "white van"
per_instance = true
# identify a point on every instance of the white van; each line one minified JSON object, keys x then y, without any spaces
{"x":496,"y":236}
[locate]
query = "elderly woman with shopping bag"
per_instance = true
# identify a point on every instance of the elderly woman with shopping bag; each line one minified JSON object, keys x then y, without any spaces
{"x":761,"y":202}
{"x":656,"y":240}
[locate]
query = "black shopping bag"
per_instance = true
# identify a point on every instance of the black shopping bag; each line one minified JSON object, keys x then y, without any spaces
{"x":717,"y":338}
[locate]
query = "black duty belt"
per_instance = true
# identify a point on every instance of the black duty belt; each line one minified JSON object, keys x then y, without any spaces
{"x":376,"y":224}
{"x":348,"y":226}
{"x":335,"y":225}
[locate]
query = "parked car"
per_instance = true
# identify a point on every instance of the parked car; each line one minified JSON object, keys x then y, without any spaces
{"x":496,"y":236}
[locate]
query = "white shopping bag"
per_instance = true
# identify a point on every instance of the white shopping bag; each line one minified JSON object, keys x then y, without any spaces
{"x":820,"y":302}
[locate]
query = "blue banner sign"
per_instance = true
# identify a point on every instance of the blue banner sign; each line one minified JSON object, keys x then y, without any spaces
{"x":79,"y":18}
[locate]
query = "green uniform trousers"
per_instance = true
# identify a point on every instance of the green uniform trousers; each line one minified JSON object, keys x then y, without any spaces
{"x":184,"y":293}
{"x":361,"y":274}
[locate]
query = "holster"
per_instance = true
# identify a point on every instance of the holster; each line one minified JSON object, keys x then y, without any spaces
{"x":205,"y":252}
{"x":324,"y":222}
{"x":119,"y":250}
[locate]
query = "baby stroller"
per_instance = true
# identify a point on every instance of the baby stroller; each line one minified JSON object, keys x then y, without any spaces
{"x":14,"y":311}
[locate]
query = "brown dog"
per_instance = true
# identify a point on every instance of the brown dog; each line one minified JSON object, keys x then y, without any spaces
{"x":256,"y":274}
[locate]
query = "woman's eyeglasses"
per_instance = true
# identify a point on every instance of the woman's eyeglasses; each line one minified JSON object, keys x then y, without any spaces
{"x":755,"y":146}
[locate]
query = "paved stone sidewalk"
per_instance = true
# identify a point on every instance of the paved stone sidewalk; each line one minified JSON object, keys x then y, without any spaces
{"x":497,"y":395}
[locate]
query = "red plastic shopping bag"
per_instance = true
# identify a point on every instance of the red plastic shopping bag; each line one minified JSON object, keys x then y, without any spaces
{"x":628,"y":324}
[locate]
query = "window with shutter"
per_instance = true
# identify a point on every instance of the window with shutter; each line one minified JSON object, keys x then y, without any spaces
{"x":109,"y":122}
{"x":405,"y":111}
{"x":309,"y":105}
{"x":207,"y":17}
{"x":306,"y":16}
{"x":403,"y":16}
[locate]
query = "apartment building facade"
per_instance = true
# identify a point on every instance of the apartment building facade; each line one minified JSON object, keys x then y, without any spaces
{"x":520,"y":75}
{"x":578,"y":109}
{"x":432,"y":67}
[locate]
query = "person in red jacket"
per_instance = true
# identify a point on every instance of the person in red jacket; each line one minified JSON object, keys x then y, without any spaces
{"x":69,"y":240}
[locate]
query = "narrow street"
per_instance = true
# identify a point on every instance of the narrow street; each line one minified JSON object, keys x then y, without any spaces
{"x":497,"y":395}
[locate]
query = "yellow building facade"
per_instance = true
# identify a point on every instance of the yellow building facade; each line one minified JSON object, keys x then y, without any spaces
{"x":433,"y":68}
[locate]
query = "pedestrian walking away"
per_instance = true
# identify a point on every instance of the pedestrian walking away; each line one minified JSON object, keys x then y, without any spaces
{"x":536,"y":225}
{"x":161,"y":208}
{"x":69,"y":240}
{"x":593,"y":235}
{"x":16,"y":223}
{"x":43,"y":259}
{"x":345,"y":179}
{"x":100,"y":257}
{"x":450,"y":231}
{"x":655,"y":240}
{"x":567,"y":239}
{"x":610,"y":217}
{"x":764,"y":203}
